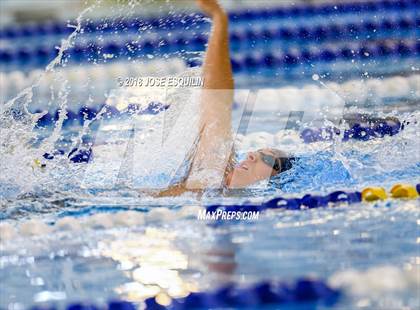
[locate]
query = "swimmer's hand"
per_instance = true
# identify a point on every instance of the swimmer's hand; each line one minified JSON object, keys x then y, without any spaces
{"x":211,"y":8}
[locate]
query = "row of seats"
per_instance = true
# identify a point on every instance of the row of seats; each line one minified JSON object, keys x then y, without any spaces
{"x":362,"y":51}
{"x":250,"y":38}
{"x":179,"y":21}
{"x":330,"y":31}
{"x":101,"y":75}
{"x":291,"y":56}
{"x":325,"y":9}
{"x":101,"y":78}
{"x":313,"y":96}
{"x":307,"y":98}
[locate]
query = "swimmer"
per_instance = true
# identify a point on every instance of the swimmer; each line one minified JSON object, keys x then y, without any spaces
{"x":212,"y":164}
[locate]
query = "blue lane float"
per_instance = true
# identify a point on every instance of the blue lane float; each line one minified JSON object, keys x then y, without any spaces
{"x":300,"y":292}
{"x":111,"y":305}
{"x":362,"y":132}
{"x":76,"y":155}
{"x":53,"y":28}
{"x":309,"y":201}
{"x":108,"y":112}
{"x":306,"y":202}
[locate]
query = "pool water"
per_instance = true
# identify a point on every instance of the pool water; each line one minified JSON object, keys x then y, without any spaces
{"x":89,"y":232}
{"x":75,"y":244}
{"x":94,"y":256}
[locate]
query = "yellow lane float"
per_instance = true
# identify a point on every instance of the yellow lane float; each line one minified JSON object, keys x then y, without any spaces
{"x":374,"y":193}
{"x":404,"y":191}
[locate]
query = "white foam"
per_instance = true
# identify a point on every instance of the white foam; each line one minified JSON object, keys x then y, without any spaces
{"x":375,"y":281}
{"x":287,"y":137}
{"x":99,"y":221}
{"x":354,"y":91}
{"x":161,"y":215}
{"x":34,"y":227}
{"x":128,"y":218}
{"x":68,"y":224}
{"x":7,"y":231}
{"x":283,"y":139}
{"x":4,"y":90}
{"x":16,"y":81}
{"x":414,"y":82}
{"x":190,"y":211}
{"x":34,"y":75}
{"x":396,"y":86}
{"x":375,"y":88}
{"x":259,"y":138}
{"x":117,"y":70}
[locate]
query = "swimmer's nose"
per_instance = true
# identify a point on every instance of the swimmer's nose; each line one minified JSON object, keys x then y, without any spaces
{"x":251,"y":156}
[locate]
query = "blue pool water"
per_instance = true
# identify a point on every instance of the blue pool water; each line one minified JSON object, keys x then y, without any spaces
{"x":74,"y":244}
{"x":84,"y":232}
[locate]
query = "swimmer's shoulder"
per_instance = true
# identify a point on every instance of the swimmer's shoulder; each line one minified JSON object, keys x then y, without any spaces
{"x":176,"y":190}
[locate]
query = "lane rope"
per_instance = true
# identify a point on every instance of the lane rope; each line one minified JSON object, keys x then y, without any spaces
{"x":265,"y":293}
{"x":309,"y":201}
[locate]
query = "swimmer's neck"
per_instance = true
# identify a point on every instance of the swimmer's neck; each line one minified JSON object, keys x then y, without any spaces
{"x":181,"y":188}
{"x":177,"y":190}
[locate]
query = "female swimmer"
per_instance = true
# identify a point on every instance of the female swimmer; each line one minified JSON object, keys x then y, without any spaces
{"x":212,"y":165}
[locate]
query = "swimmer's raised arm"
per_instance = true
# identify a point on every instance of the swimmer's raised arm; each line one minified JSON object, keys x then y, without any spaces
{"x":215,"y":103}
{"x":217,"y":95}
{"x":217,"y":69}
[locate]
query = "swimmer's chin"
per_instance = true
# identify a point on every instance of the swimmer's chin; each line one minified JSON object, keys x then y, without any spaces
{"x":233,"y":181}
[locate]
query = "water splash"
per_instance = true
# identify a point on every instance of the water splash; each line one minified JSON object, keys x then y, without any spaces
{"x":17,"y":123}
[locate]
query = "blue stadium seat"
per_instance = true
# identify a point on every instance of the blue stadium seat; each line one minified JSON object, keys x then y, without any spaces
{"x":24,"y":55}
{"x":6,"y":56}
{"x":28,"y":30}
{"x":328,"y":55}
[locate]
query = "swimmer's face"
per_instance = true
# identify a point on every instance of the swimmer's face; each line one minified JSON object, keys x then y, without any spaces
{"x":251,"y":170}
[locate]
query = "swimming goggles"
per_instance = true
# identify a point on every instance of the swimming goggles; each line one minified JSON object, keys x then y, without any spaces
{"x":279,"y":164}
